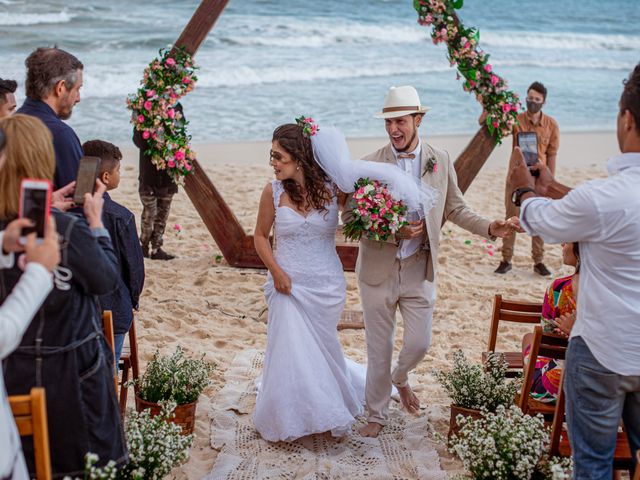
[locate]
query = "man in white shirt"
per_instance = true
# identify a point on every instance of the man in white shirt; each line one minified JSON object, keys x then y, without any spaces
{"x":602,"y":375}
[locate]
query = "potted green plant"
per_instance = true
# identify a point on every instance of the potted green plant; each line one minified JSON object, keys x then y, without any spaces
{"x":473,"y":387}
{"x":506,"y":445}
{"x":155,"y":447}
{"x":174,"y":378}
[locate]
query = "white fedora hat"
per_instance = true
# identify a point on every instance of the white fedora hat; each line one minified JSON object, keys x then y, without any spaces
{"x":401,"y":101}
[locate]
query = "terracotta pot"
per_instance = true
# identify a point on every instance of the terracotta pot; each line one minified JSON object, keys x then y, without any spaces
{"x":454,"y":428}
{"x":183,"y":415}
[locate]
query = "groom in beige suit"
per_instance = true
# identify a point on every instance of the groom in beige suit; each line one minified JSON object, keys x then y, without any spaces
{"x":401,"y":272}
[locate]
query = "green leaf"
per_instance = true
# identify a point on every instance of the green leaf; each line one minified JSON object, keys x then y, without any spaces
{"x":457,"y":4}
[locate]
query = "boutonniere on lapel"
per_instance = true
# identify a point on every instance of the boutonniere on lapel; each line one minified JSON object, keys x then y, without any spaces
{"x":431,"y":166}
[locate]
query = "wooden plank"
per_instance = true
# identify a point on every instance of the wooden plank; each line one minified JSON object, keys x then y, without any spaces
{"x":473,"y":157}
{"x":200,"y":25}
{"x":351,"y":319}
{"x":219,"y":219}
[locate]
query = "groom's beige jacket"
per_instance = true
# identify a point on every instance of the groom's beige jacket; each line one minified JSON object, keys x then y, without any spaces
{"x":375,"y":259}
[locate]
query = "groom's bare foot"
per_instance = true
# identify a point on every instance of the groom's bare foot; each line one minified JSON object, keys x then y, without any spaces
{"x":409,"y":399}
{"x":371,"y":429}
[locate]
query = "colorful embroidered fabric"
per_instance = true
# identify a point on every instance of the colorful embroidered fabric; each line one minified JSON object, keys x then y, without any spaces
{"x":558,"y":300}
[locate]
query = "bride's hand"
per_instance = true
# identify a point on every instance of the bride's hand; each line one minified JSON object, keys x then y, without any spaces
{"x":282,"y":282}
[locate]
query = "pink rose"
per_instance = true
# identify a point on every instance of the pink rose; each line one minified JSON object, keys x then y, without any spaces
{"x":186,"y":80}
{"x":151,"y":93}
{"x":148,"y":105}
{"x":146,"y":134}
{"x":171,"y":113}
{"x":179,"y":155}
{"x":170,"y":61}
{"x":140,"y":118}
{"x":487,"y":68}
{"x":495,"y":124}
{"x":494,"y":80}
{"x":506,"y":108}
{"x":188,"y":167}
{"x":435,"y":168}
{"x":171,"y":164}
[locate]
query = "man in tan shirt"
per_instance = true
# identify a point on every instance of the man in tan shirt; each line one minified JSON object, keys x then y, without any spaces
{"x":400,"y":273}
{"x":548,"y":136}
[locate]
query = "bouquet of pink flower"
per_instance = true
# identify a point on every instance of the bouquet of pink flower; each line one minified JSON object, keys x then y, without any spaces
{"x":376,"y":214}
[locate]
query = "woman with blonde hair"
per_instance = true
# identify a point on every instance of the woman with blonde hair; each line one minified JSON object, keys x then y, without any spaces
{"x":63,"y":349}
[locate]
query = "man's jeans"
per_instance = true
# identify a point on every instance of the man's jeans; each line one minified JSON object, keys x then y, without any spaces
{"x":596,"y":400}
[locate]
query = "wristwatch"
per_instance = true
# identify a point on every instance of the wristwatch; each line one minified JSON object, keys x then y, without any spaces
{"x":517,"y":194}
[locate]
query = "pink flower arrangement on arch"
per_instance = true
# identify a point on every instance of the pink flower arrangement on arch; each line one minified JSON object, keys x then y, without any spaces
{"x":473,"y":65}
{"x":166,"y":79}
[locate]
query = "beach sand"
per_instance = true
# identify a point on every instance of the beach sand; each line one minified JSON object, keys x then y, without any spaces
{"x":200,"y":303}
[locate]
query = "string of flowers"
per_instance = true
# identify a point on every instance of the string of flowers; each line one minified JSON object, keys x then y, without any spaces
{"x":500,"y":103}
{"x":155,"y":114}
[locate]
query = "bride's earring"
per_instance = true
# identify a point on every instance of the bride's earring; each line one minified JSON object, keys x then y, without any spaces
{"x":298,"y":167}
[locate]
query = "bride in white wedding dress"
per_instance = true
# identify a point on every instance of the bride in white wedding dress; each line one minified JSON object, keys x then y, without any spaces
{"x":307,"y":386}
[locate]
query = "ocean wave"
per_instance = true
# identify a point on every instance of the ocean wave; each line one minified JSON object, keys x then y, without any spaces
{"x":559,"y":41}
{"x":105,"y":81}
{"x":20,"y":19}
{"x":320,"y":32}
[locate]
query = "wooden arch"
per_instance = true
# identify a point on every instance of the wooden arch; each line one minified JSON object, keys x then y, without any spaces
{"x":236,"y":246}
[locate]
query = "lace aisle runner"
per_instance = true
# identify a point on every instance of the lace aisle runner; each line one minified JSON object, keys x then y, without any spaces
{"x":402,"y":451}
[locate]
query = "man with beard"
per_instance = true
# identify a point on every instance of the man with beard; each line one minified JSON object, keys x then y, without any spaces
{"x":54,"y":79}
{"x":401,"y":272}
{"x":548,"y":140}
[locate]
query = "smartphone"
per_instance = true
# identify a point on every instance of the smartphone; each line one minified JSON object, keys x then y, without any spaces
{"x":35,"y":204}
{"x":86,"y":179}
{"x":528,"y":143}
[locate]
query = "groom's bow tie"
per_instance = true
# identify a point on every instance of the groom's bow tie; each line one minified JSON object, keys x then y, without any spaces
{"x":406,"y":155}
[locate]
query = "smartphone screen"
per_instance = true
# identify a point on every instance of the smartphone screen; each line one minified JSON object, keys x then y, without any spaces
{"x":528,"y":143}
{"x":86,"y":180}
{"x":35,"y":200}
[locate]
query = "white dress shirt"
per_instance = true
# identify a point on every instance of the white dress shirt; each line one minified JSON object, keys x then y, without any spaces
{"x":604,"y":216}
{"x":15,"y":316}
{"x":411,"y":166}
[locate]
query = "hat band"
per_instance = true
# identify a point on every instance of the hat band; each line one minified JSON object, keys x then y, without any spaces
{"x":400,"y":109}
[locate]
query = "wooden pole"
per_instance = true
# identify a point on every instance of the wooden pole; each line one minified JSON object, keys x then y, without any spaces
{"x":473,"y":157}
{"x":200,"y":25}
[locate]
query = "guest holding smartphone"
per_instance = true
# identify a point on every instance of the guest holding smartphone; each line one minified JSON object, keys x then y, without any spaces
{"x":64,"y":349}
{"x":548,"y":141}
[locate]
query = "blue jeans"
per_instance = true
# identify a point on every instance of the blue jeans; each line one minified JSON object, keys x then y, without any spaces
{"x":118,"y":340}
{"x":597,"y":399}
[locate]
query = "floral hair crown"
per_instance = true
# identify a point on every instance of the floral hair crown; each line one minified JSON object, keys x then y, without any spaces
{"x":308,"y":125}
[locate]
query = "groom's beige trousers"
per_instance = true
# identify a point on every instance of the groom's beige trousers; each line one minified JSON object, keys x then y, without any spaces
{"x":404,"y":288}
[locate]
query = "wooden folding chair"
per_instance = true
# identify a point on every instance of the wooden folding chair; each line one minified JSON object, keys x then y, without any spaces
{"x":511,"y":311}
{"x":129,"y":361}
{"x":636,"y":475}
{"x":560,"y":446}
{"x":107,"y":326}
{"x":545,"y":345}
{"x":30,"y":414}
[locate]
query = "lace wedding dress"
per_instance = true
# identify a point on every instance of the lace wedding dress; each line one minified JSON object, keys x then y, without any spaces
{"x":307,"y":386}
